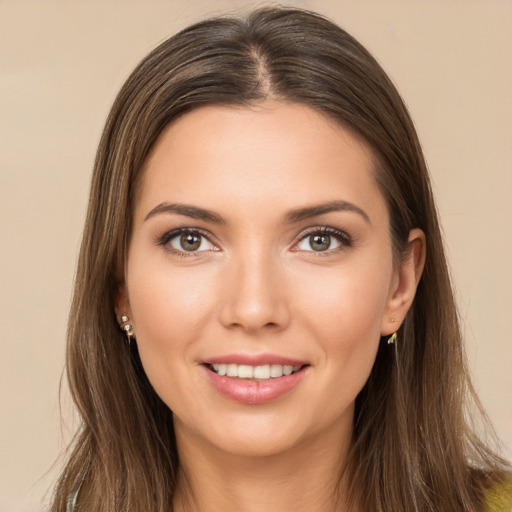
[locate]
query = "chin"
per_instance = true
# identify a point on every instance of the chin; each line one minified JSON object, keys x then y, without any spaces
{"x":255,"y":434}
{"x":255,"y":444}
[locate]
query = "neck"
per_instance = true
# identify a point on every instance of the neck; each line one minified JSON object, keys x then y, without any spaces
{"x":307,"y":478}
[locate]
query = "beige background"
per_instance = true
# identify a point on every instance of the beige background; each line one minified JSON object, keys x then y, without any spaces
{"x":61,"y":63}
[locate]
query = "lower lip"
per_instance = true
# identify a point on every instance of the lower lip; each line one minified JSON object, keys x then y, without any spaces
{"x":254,"y":392}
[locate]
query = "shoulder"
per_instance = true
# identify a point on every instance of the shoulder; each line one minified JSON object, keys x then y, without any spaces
{"x":498,"y":497}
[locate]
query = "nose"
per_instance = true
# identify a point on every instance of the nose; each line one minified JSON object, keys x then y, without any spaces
{"x":253,"y":296}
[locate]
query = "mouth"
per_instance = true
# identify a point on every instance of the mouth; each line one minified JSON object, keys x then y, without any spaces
{"x":255,"y":379}
{"x":259,"y":372}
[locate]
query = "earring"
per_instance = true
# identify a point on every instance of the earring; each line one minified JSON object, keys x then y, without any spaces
{"x":127,"y":328}
{"x":392,"y":339}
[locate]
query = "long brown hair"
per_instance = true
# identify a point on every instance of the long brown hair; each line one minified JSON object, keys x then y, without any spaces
{"x":412,"y":446}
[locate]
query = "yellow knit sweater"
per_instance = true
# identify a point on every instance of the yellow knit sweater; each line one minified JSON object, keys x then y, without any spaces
{"x":499,"y":497}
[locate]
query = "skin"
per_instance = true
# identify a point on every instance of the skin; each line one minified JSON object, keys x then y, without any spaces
{"x":256,"y":285}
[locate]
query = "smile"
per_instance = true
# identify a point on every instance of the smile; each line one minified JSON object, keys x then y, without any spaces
{"x":254,"y":380}
{"x":259,"y":372}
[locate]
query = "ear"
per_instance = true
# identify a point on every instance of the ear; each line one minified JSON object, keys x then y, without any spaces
{"x":122,"y":305}
{"x":405,"y":282}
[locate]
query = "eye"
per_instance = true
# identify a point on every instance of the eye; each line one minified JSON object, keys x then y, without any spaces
{"x":323,"y":240}
{"x":187,"y":241}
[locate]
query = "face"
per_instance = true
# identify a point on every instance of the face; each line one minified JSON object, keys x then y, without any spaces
{"x":259,"y":276}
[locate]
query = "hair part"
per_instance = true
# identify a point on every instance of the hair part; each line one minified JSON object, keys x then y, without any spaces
{"x":412,"y":442}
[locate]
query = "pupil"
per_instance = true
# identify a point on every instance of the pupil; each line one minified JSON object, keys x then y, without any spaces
{"x":320,"y":242}
{"x":190,"y":242}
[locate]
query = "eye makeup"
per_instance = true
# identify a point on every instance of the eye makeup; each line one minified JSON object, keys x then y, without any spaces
{"x":193,"y":242}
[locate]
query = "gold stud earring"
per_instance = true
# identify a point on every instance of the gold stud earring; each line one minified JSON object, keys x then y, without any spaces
{"x":392,"y":339}
{"x":127,"y":328}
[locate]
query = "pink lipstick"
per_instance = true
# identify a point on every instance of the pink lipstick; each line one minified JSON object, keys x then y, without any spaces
{"x":256,"y":378}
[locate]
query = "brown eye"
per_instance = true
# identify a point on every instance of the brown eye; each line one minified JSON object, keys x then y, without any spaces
{"x":190,"y":242}
{"x":319,"y":242}
{"x":323,"y":240}
{"x":187,"y":241}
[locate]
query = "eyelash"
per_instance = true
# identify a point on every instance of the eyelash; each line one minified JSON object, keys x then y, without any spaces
{"x":164,"y":240}
{"x":342,"y":237}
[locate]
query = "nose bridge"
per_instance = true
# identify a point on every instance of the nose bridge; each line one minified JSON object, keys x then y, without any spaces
{"x":254,"y":296}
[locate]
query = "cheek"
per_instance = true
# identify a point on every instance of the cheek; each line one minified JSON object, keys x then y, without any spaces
{"x":347,"y":303}
{"x":164,"y":300}
{"x":349,"y":334}
{"x":169,"y":310}
{"x":344,"y":310}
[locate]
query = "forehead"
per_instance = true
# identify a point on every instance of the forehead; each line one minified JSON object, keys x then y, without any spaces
{"x":271,"y":153}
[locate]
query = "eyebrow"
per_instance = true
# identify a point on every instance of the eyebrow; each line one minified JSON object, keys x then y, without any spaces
{"x":321,"y":209}
{"x":291,"y":217}
{"x":193,"y":212}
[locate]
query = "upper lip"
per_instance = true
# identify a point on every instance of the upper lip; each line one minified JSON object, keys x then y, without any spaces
{"x":254,"y":360}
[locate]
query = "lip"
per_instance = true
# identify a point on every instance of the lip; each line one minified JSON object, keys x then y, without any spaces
{"x":254,"y":360}
{"x":253,"y":391}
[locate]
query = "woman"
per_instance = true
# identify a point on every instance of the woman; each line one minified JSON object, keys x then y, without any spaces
{"x":263,"y":316}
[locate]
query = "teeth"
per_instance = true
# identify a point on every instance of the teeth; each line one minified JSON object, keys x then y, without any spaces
{"x":287,"y":370}
{"x":276,"y":370}
{"x":232,"y":370}
{"x":245,"y":371}
{"x":263,"y":372}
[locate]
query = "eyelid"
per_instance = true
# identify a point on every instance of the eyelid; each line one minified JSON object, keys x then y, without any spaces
{"x":163,"y":241}
{"x":341,"y":236}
